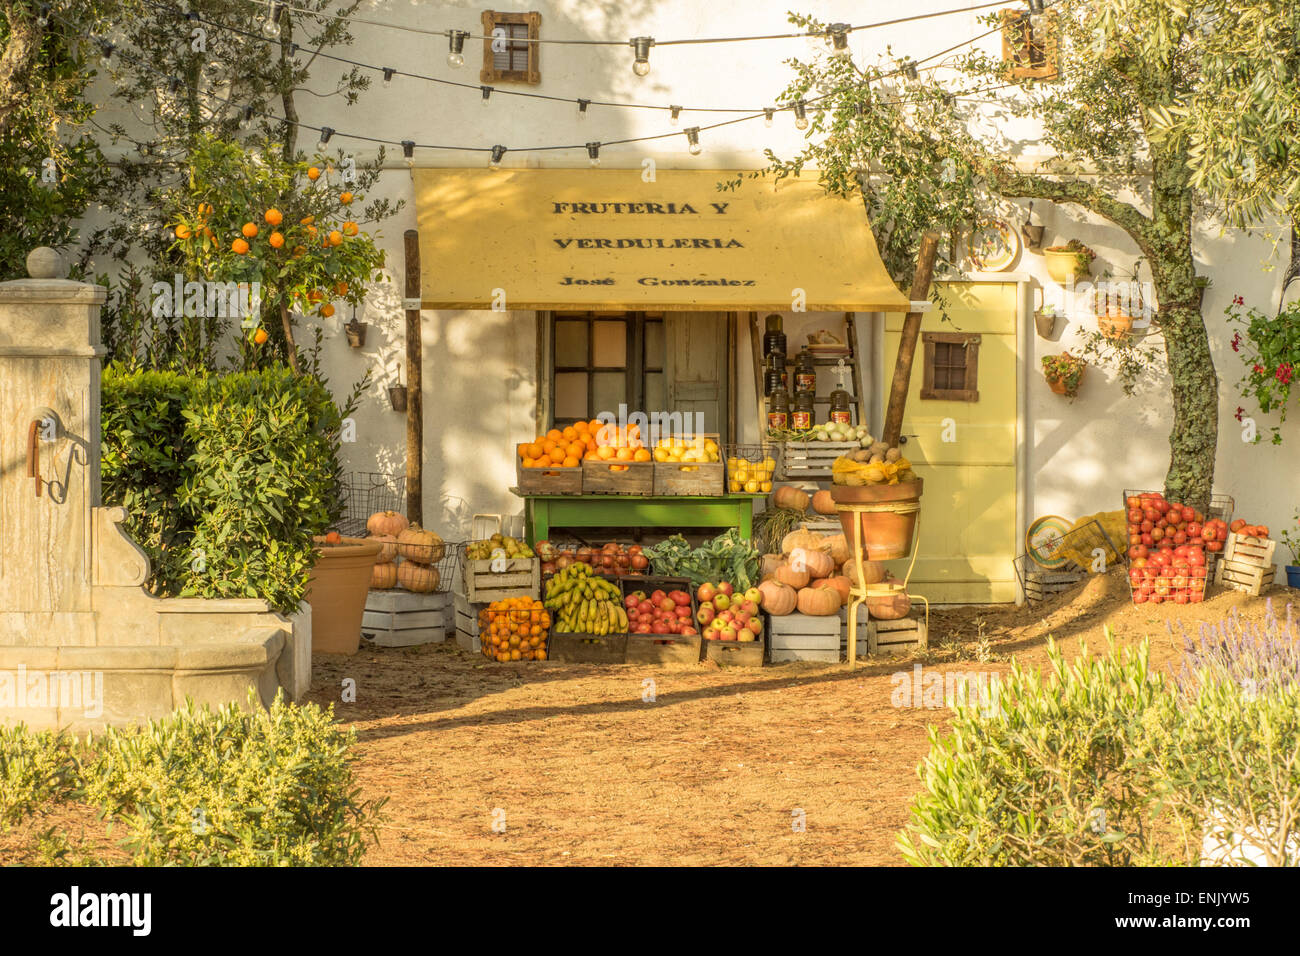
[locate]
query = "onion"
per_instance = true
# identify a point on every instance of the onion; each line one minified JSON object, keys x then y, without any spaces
{"x":584,"y":555}
{"x":563,"y":561}
{"x":549,"y":567}
{"x":640,"y":562}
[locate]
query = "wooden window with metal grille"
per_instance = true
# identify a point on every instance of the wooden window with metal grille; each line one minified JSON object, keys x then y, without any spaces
{"x":1030,"y":51}
{"x":514,"y":58}
{"x":951,"y":367}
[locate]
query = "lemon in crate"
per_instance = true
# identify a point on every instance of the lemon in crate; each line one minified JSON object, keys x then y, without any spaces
{"x":750,"y":474}
{"x":687,"y":449}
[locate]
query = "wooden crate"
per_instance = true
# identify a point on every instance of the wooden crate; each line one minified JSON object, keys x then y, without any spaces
{"x":1249,"y":552}
{"x":548,"y":481}
{"x":587,"y":648}
{"x":804,"y":637}
{"x":1040,"y":585}
{"x":663,"y":648}
{"x":598,"y":479}
{"x":812,"y":460}
{"x":468,"y":643}
{"x":1239,"y":576}
{"x":674,"y":478}
{"x":903,"y":636}
{"x":465,"y":614}
{"x":402,"y":619}
{"x":521,"y":578}
{"x":823,"y":524}
{"x":736,"y":653}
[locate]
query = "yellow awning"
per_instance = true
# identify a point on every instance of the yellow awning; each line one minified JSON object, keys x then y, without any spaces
{"x":606,"y":239}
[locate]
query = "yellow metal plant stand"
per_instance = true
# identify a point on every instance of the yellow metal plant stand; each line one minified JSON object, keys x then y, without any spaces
{"x":860,"y":591}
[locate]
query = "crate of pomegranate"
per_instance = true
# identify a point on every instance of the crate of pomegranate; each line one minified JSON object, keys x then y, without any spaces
{"x":1171,"y":546}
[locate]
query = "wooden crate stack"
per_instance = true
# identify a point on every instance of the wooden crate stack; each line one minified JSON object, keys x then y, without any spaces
{"x":466,"y":622}
{"x":812,"y":460}
{"x":1246,"y":564}
{"x":804,"y":637}
{"x":1040,"y":585}
{"x":599,"y":478}
{"x":397,"y":618}
{"x":547,"y":481}
{"x":902,"y":636}
{"x":519,"y":577}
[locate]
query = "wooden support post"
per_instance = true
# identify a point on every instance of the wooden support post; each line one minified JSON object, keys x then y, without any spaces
{"x":893,"y":428}
{"x":414,"y":385}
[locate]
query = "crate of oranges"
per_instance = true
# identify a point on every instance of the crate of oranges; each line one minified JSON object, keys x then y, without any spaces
{"x":552,"y":463}
{"x":515,"y":629}
{"x":750,"y":468}
{"x":688,"y":465}
{"x":618,"y":463}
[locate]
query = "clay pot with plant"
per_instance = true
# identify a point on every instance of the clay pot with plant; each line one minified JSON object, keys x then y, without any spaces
{"x":1291,"y":541}
{"x":1064,"y":372}
{"x":1072,"y":260}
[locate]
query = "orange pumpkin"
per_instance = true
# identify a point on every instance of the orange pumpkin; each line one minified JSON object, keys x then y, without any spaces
{"x":420,"y":578}
{"x":787,"y":575}
{"x":386,"y":522}
{"x":388,"y":548}
{"x":839,"y":583}
{"x":383,"y":577}
{"x":874,"y":571}
{"x":787,"y":497}
{"x":818,"y":602}
{"x":817,"y":563}
{"x":823,"y":503}
{"x":420,"y":546}
{"x":889,"y":607}
{"x":838,"y":546}
{"x":778,"y":598}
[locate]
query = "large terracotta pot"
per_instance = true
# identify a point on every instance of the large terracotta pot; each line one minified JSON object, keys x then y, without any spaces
{"x":885,"y":534}
{"x":337,"y":593}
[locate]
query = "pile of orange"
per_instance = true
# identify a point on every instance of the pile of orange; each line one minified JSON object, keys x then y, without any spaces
{"x":567,"y":447}
{"x":514,"y":630}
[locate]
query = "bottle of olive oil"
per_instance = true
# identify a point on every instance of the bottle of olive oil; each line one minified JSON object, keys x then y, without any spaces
{"x":841,"y":411}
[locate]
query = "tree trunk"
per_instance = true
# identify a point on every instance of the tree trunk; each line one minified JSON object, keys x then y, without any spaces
{"x":286,"y":90}
{"x":291,"y":350}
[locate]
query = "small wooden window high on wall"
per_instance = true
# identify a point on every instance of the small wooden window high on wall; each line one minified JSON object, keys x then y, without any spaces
{"x":507,"y":54}
{"x":951,"y":370}
{"x":1028,"y":50}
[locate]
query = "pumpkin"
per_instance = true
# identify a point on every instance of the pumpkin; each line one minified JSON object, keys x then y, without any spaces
{"x":383,"y":577}
{"x":422,"y":547}
{"x":387,"y":549}
{"x":889,"y":607}
{"x":817,"y":563}
{"x":793,"y":498}
{"x":873,"y":570}
{"x":778,"y":598}
{"x":823,"y":502}
{"x":769,"y":563}
{"x":801,"y":537}
{"x":420,"y":578}
{"x":386,"y":523}
{"x":785,"y":574}
{"x":818,"y":602}
{"x":839,"y":582}
{"x":838,"y":546}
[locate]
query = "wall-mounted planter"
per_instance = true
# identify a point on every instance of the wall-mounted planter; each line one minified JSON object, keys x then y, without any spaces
{"x":1045,"y":323}
{"x":1058,"y":385}
{"x":1115,"y":327}
{"x":1033,"y":236}
{"x":356,"y":332}
{"x":397,"y":395}
{"x":1062,"y":264}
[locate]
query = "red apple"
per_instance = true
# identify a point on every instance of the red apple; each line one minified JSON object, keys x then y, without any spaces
{"x":726,"y":588}
{"x":706,"y":592}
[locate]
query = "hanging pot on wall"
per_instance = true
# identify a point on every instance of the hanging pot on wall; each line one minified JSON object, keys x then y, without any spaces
{"x":1045,"y":323}
{"x":397,"y":395}
{"x":356,"y":332}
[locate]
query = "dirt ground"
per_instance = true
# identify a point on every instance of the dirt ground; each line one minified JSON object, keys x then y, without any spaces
{"x":592,"y":764}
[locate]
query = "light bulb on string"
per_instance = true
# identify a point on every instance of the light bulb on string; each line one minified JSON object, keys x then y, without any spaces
{"x":641,"y":46}
{"x":674,"y":114}
{"x":246,"y":117}
{"x":800,"y":115}
{"x":388,"y":76}
{"x":837,"y":35}
{"x":408,"y":151}
{"x":582,"y":108}
{"x":768,"y":113}
{"x":325,"y":133}
{"x":693,"y":141}
{"x":106,"y":58}
{"x":272,"y":24}
{"x":43,"y":17}
{"x":456,"y":48}
{"x":497,"y":153}
{"x":593,"y":153}
{"x":487,"y":94}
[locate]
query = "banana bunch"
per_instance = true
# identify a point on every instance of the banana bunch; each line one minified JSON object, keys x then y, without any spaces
{"x":584,"y":603}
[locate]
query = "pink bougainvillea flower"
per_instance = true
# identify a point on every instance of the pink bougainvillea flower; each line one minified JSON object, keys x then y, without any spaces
{"x":1258,"y":369}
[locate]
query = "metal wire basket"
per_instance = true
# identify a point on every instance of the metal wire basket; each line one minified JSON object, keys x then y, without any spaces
{"x":364,"y":493}
{"x":1063,"y":560}
{"x":758,"y":464}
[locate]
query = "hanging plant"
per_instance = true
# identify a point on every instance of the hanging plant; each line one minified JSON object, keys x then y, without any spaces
{"x":1270,"y":350}
{"x":1064,"y":372}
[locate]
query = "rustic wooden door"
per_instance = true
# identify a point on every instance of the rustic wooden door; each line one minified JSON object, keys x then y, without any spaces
{"x":697,"y":368}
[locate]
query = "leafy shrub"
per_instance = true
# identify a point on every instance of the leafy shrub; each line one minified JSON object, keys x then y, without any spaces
{"x":36,"y":769}
{"x":234,"y":788}
{"x":225,"y":478}
{"x":1053,"y":778}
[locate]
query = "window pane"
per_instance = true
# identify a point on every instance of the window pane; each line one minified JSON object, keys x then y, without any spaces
{"x":656,"y":395}
{"x":571,"y":345}
{"x":654,"y":345}
{"x":571,"y":395}
{"x":611,"y":344}
{"x":608,"y":392}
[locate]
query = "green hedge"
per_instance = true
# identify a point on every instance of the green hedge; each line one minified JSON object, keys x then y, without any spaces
{"x":225,"y":478}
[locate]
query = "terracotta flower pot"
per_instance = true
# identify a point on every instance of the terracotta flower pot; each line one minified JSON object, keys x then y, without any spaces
{"x":1058,"y":385}
{"x":337,"y":593}
{"x":885,"y":534}
{"x":1115,"y":327}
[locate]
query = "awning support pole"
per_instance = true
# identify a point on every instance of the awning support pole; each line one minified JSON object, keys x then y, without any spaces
{"x":414,"y":385}
{"x":893,"y":428}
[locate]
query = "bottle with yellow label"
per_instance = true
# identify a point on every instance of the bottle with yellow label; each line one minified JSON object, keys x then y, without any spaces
{"x":804,"y":414}
{"x":778,"y":408}
{"x":841,"y":410}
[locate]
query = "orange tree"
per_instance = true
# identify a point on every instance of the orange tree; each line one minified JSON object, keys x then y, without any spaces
{"x":249,"y":215}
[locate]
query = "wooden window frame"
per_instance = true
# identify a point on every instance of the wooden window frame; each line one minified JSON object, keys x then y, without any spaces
{"x":635,"y":367}
{"x":496,"y":18}
{"x":1018,"y":40}
{"x":971,"y":341}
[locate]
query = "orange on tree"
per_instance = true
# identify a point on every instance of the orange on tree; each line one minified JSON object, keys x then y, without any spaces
{"x":273,"y":217}
{"x":345,"y":198}
{"x":183,"y":231}
{"x":313,"y":174}
{"x":341,"y":289}
{"x":327,"y":310}
{"x":249,"y":230}
{"x":350,"y":228}
{"x":306,"y":220}
{"x":336,"y":238}
{"x":239,"y":247}
{"x":276,"y":239}
{"x":299,"y":251}
{"x":260,"y":336}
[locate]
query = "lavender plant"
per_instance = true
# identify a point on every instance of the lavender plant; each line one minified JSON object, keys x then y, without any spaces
{"x":1253,"y":655}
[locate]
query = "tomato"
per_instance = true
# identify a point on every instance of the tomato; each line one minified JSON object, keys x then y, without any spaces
{"x":1196,"y":559}
{"x":1215,"y":546}
{"x":1188,"y":514}
{"x":1134,"y":502}
{"x":1161,"y":506}
{"x":1137,"y":552}
{"x":1193,"y":529}
{"x":1237,"y":524}
{"x":1179,"y":582}
{"x":1136,"y":576}
{"x":1157,"y":599}
{"x":1209,"y":534}
{"x":1157,"y":535}
{"x":1180,"y":597}
{"x":1198,"y":572}
{"x":1135,"y":515}
{"x":1148,"y":540}
{"x":1196,"y":597}
{"x":1139,"y":598}
{"x":1134,"y":540}
{"x":1151,"y":514}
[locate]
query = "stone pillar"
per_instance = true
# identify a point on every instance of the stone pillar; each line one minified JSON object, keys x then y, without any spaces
{"x":50,"y":356}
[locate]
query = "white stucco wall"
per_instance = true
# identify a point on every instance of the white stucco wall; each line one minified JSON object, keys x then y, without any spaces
{"x":480,"y":368}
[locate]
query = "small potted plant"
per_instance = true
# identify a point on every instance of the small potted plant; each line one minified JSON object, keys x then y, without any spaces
{"x":1073,"y":259}
{"x":1291,"y":539}
{"x":1064,"y":372}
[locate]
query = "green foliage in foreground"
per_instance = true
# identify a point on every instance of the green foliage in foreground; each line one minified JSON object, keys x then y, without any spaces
{"x":230,"y":787}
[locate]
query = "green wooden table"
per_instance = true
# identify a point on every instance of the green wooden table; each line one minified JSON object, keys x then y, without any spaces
{"x":635,"y":511}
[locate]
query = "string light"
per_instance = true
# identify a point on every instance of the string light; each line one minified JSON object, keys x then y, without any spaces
{"x":272,"y":25}
{"x":768,"y":113}
{"x":582,"y":108}
{"x":246,"y":117}
{"x":909,"y":69}
{"x":800,"y":115}
{"x":837,"y":35}
{"x":693,"y":141}
{"x":487,"y":94}
{"x":593,"y":153}
{"x":497,"y":153}
{"x":325,"y":133}
{"x":641,"y":46}
{"x":456,"y":48}
{"x":388,"y":76}
{"x":675,"y":114}
{"x":43,"y":17}
{"x":408,"y":151}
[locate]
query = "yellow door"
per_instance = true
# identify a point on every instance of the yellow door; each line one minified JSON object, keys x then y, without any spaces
{"x":961,"y":428}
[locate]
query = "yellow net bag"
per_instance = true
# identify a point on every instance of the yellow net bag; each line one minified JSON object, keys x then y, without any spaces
{"x":1079,"y":548}
{"x":846,"y":471}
